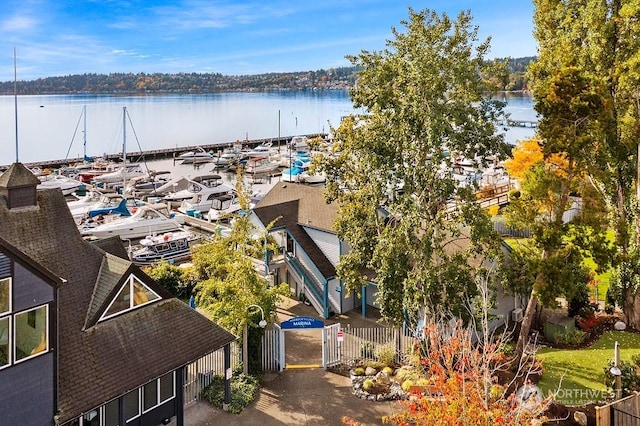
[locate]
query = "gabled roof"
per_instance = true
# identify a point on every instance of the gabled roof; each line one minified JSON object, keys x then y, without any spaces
{"x":99,"y":361}
{"x":18,"y":176}
{"x":297,"y":207}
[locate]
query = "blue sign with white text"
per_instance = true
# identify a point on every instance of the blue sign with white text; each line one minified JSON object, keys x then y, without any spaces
{"x":301,"y":322}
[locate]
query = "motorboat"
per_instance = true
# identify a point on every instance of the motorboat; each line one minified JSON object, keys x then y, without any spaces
{"x":198,"y":155}
{"x":222,"y":207}
{"x":293,"y":174}
{"x":199,"y":194}
{"x":265,"y":149}
{"x":123,"y":174}
{"x":169,"y":246}
{"x":52,"y":181}
{"x":261,"y":166}
{"x":146,"y":220}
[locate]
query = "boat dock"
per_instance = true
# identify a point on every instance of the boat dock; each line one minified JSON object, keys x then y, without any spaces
{"x":167,"y":153}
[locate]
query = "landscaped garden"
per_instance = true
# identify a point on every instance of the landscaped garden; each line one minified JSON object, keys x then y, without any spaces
{"x":577,"y":375}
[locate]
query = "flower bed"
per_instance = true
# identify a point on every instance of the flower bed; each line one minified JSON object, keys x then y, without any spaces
{"x":374,"y":385}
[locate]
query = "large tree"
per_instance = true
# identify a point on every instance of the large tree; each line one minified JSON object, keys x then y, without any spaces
{"x":600,"y":40}
{"x":409,"y":225}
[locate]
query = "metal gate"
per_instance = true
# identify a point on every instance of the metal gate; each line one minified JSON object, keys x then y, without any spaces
{"x":331,"y":342}
{"x":271,"y":349}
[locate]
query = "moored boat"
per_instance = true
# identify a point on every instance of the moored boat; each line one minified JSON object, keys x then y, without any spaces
{"x":170,"y":246}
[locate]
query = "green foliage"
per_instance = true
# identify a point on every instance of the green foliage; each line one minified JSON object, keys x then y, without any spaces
{"x":358,"y":371}
{"x":425,"y":97}
{"x":228,"y":282}
{"x":367,"y":350}
{"x":388,"y":371}
{"x":177,"y":281}
{"x":368,"y":384}
{"x":243,"y":390}
{"x":570,"y":337}
{"x":630,"y":378}
{"x":579,"y":304}
{"x":386,"y":354}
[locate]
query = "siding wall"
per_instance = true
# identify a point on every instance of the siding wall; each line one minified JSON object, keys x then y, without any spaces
{"x":327,"y":242}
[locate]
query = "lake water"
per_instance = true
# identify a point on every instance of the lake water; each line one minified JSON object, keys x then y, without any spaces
{"x":50,"y":127}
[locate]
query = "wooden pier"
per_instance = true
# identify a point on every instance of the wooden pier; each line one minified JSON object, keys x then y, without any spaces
{"x":154,"y":154}
{"x":518,"y":123}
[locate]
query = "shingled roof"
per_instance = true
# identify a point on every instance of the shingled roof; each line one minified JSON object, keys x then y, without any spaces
{"x":99,"y":361}
{"x":296,"y":207}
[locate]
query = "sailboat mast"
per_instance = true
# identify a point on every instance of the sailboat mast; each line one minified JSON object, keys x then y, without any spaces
{"x":15,"y":97}
{"x":84,"y":132}
{"x":124,"y":147}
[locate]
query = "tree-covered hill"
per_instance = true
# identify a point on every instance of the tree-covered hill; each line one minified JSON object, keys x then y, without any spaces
{"x":141,"y":83}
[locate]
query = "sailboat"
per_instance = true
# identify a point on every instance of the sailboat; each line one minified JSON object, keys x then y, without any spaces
{"x":126,"y":171}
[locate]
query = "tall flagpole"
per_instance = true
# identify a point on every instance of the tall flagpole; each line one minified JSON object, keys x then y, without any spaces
{"x":15,"y":97}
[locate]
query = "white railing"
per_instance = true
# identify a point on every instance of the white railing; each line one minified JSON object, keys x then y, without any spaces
{"x":367,"y":343}
{"x":199,"y":374}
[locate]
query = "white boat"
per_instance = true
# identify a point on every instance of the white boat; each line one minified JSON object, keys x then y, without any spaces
{"x":312,"y":178}
{"x":170,"y":246}
{"x":200,"y":193}
{"x":293,"y":174}
{"x":265,"y":149}
{"x":198,"y":155}
{"x":124,"y":173}
{"x":261,"y":166}
{"x":148,"y":219}
{"x":222,"y":207}
{"x":65,"y":184}
{"x":106,"y":204}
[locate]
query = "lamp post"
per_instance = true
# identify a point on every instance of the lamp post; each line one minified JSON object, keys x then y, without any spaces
{"x":245,"y":339}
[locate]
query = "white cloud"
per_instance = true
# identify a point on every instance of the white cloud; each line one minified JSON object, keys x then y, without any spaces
{"x":18,"y":24}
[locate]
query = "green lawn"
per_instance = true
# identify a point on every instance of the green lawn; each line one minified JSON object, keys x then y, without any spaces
{"x":578,"y":375}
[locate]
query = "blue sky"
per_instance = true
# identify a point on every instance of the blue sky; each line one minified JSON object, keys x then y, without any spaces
{"x":60,"y":37}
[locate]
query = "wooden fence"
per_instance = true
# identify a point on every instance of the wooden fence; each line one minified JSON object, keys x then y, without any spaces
{"x":623,"y":412}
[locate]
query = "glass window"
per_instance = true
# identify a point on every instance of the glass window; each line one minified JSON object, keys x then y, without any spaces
{"x":150,"y":395}
{"x":5,"y":295}
{"x":4,"y":341}
{"x":124,"y":300}
{"x":111,"y":417}
{"x":91,"y":419}
{"x":166,"y":387}
{"x":31,"y":333}
{"x":132,"y":404}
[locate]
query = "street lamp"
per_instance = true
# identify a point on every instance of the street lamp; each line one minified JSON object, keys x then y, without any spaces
{"x":245,"y":339}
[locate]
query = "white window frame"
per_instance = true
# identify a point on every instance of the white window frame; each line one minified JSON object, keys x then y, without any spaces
{"x":46,"y":331}
{"x":158,"y":401}
{"x":127,"y":420}
{"x":129,"y":282}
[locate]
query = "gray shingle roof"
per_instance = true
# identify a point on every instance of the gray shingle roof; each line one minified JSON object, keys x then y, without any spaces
{"x":295,"y":207}
{"x":103,"y":361}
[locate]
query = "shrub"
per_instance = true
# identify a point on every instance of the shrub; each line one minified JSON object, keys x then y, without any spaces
{"x":388,"y":371}
{"x":630,"y":379}
{"x":368,"y":384}
{"x":587,"y":323}
{"x":358,"y":371}
{"x":570,"y":337}
{"x":406,"y":385}
{"x":385,"y":355}
{"x":609,"y":309}
{"x":579,"y":303}
{"x":367,"y":350}
{"x":243,"y":390}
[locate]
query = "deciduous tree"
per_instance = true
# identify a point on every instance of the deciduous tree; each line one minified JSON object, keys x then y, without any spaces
{"x":401,"y":212}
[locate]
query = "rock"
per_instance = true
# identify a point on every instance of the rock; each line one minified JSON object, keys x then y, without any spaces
{"x":580,"y":418}
{"x":619,"y":325}
{"x":383,"y":378}
{"x":370,"y":371}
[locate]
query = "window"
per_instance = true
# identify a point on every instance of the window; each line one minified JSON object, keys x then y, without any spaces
{"x":150,"y":395}
{"x":111,"y":417}
{"x":5,"y":296}
{"x":133,"y":294}
{"x":31,"y":333}
{"x":166,"y":387}
{"x":5,"y":343}
{"x":132,"y":405}
{"x":92,"y":418}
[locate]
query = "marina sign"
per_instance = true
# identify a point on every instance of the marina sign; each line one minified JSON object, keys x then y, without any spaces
{"x":301,"y":323}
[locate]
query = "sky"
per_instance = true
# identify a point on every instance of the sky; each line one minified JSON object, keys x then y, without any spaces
{"x":231,"y":37}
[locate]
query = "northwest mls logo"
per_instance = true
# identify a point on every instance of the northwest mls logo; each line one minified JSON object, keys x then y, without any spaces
{"x":578,"y":396}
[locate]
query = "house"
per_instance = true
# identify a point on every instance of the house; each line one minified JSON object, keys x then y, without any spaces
{"x":86,"y":338}
{"x":303,"y":228}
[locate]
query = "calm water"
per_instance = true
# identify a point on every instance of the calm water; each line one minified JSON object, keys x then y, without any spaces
{"x":50,"y":127}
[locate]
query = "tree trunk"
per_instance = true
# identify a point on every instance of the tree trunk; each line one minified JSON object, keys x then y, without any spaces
{"x":525,"y":328}
{"x":631,"y":309}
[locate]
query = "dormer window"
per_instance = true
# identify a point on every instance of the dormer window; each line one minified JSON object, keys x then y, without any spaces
{"x":133,"y":294}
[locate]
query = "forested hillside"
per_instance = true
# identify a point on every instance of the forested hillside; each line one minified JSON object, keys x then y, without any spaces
{"x":333,"y":78}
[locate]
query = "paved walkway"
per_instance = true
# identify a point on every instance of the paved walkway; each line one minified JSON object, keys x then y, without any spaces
{"x":300,"y":396}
